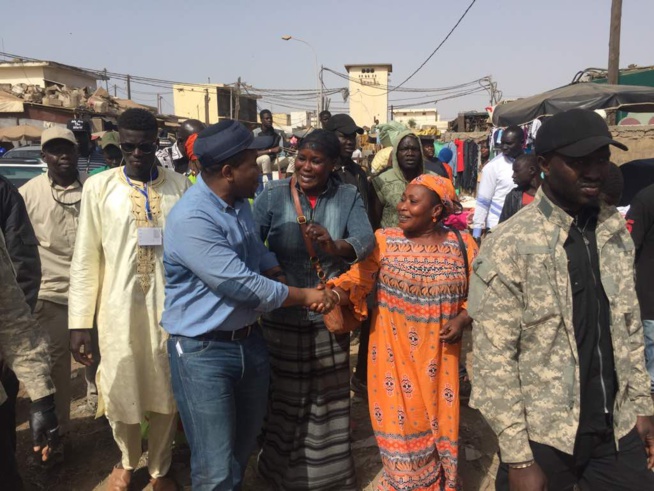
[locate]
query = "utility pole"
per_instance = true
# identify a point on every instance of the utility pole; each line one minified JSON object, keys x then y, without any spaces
{"x":391,"y":112}
{"x":206,"y":105}
{"x":322,"y":103}
{"x":115,"y":90}
{"x":106,"y":80}
{"x":614,"y":49}
{"x":129,"y":87}
{"x":614,"y":41}
{"x":237,"y":109}
{"x":231,"y":103}
{"x":159,"y":106}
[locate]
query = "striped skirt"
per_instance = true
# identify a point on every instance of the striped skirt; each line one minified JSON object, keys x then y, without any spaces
{"x":307,"y":432}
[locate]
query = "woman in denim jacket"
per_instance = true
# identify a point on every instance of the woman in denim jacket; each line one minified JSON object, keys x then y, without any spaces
{"x":307,"y":441}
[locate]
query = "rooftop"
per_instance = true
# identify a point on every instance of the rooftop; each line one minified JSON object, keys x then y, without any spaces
{"x":37,"y":63}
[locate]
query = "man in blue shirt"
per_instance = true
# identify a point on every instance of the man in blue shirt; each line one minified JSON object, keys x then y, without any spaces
{"x":219,"y":278}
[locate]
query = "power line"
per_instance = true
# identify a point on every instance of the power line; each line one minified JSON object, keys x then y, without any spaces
{"x":391,"y":88}
{"x":437,"y":47}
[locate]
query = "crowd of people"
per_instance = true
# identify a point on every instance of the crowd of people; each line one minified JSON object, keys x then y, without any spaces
{"x":194,"y":286}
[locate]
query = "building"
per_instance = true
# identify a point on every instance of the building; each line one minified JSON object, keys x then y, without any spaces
{"x":46,"y":74}
{"x":213,"y":102}
{"x":281,"y":119}
{"x":420,"y":118}
{"x":369,"y":92}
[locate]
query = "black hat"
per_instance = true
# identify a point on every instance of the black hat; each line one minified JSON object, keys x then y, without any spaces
{"x":574,"y":133}
{"x":343,"y":123}
{"x":220,"y":141}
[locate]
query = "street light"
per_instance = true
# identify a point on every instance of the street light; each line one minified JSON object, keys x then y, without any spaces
{"x":319,"y":105}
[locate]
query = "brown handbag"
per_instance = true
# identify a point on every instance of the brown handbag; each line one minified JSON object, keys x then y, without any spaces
{"x":340,"y":320}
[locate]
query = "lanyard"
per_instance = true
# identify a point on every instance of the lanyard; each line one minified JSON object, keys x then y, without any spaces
{"x":144,"y":192}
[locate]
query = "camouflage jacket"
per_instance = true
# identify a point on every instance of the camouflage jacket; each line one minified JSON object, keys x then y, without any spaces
{"x":22,"y":342}
{"x":526,"y":365}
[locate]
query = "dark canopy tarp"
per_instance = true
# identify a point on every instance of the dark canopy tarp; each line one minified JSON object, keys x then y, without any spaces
{"x":585,"y":95}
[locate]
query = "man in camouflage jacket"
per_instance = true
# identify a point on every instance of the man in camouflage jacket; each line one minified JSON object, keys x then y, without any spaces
{"x":24,"y":349}
{"x":559,"y":370}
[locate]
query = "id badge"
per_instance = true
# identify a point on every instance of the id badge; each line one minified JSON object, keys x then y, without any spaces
{"x":150,"y":236}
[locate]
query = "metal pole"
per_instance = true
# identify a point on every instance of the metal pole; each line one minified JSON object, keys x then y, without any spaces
{"x":129,"y":87}
{"x":206,"y":106}
{"x":319,"y":86}
{"x":320,"y":106}
{"x":231,"y":103}
{"x":238,"y":99}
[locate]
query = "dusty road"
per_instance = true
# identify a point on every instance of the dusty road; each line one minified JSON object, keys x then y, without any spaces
{"x":91,"y":452}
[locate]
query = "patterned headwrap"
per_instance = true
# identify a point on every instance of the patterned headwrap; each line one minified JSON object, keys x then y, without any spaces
{"x":188,"y":145}
{"x":443,"y":188}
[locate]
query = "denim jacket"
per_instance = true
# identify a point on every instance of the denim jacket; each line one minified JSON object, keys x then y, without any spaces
{"x":339,"y":209}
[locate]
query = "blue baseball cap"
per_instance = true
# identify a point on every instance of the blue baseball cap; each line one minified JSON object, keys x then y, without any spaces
{"x":223,"y":140}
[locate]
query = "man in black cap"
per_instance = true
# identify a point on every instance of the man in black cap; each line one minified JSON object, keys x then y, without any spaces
{"x":219,"y":278}
{"x":559,"y":371}
{"x":351,"y":173}
{"x":344,"y":127}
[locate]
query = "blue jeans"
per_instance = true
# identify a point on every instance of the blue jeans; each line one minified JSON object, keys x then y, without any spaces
{"x":648,"y":330}
{"x":221,"y":389}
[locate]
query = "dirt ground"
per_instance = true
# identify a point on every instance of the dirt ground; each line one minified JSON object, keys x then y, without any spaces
{"x":90,"y":452}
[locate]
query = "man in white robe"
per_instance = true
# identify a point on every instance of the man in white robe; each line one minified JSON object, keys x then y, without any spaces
{"x":117,"y":277}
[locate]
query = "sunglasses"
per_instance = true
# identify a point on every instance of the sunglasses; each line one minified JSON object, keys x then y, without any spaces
{"x":145,"y":148}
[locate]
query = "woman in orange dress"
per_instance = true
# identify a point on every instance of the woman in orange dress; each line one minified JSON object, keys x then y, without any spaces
{"x":421,"y":270}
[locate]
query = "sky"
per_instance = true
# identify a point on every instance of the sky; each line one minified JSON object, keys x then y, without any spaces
{"x":527,"y":46}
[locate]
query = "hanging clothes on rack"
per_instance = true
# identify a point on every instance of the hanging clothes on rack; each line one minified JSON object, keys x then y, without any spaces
{"x":471,"y":156}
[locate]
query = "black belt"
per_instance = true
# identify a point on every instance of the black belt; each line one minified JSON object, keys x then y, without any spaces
{"x":236,"y":335}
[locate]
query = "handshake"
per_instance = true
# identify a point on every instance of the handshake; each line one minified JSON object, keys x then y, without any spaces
{"x":321,"y":299}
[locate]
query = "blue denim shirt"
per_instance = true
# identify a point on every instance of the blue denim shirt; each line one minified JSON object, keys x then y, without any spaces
{"x":339,"y":209}
{"x":213,"y":257}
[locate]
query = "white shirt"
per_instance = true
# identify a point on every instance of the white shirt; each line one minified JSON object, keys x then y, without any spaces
{"x":496,"y":182}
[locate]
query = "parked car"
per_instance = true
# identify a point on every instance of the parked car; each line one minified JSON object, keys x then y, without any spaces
{"x":19,"y":171}
{"x":30,"y":152}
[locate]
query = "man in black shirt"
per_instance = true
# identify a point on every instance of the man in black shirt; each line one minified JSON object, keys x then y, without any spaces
{"x":324,"y":118}
{"x":350,"y":173}
{"x":554,"y":309}
{"x":432,"y":164}
{"x":640,"y":221}
{"x":344,"y":127}
{"x":266,"y":157}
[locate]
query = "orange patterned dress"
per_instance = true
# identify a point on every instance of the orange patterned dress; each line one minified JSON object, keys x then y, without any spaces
{"x":413,"y":381}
